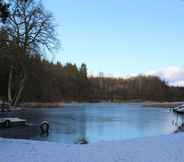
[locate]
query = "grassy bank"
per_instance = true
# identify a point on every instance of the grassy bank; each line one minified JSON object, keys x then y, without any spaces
{"x":61,"y":104}
{"x":42,"y":104}
{"x":162,"y":104}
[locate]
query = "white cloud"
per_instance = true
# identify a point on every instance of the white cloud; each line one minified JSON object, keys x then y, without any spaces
{"x":174,"y":75}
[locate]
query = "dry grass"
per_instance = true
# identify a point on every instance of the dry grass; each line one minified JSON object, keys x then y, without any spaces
{"x":162,"y":104}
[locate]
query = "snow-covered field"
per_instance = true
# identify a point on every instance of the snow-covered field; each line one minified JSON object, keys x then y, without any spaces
{"x":168,"y":148}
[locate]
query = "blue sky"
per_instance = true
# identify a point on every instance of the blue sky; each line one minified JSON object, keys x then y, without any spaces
{"x":120,"y":37}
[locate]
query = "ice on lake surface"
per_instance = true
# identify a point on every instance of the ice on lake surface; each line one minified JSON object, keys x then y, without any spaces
{"x":94,"y":122}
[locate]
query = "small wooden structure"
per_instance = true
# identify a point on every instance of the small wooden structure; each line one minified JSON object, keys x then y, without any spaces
{"x":12,"y":122}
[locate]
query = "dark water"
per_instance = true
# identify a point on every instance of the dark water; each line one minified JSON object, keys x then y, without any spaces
{"x":95,"y":122}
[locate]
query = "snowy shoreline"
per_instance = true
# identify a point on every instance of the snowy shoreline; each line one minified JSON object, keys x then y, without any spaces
{"x":166,"y":148}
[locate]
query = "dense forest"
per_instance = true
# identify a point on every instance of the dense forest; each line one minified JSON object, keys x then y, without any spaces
{"x":27,"y":31}
{"x":49,"y":82}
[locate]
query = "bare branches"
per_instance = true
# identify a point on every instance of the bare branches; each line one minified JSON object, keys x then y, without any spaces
{"x":31,"y":26}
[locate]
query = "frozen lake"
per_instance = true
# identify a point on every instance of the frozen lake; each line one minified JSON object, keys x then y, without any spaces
{"x":95,"y":122}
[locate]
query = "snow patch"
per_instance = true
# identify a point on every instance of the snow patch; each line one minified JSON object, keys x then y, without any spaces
{"x":155,"y":149}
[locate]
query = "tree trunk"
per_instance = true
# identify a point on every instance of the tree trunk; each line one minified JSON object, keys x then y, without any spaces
{"x":10,"y":85}
{"x":20,"y":90}
{"x":22,"y":82}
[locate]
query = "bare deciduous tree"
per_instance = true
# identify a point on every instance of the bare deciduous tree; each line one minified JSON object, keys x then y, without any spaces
{"x":30,"y":26}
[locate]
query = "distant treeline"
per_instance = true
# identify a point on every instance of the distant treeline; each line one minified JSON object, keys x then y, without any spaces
{"x":49,"y":82}
{"x":27,"y":30}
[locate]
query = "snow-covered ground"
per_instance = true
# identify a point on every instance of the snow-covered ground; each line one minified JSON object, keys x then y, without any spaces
{"x":168,"y":148}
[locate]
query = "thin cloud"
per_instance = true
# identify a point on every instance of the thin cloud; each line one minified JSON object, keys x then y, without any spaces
{"x":174,"y":75}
